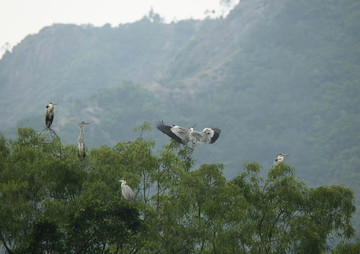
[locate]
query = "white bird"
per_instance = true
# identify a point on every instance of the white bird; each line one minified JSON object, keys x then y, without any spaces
{"x":279,"y":159}
{"x":184,"y":136}
{"x":81,"y":149}
{"x":127,"y":192}
{"x":49,"y":114}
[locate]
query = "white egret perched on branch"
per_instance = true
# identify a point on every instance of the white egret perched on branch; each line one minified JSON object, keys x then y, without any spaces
{"x":127,"y":192}
{"x":49,"y":114}
{"x":279,"y":159}
{"x":184,"y":136}
{"x":81,"y":142}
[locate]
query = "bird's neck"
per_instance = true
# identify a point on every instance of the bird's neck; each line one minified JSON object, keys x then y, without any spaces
{"x":81,"y":137}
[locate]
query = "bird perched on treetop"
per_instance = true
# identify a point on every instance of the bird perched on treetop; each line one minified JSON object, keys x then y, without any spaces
{"x":279,"y":159}
{"x":81,"y":142}
{"x":127,"y":192}
{"x":184,"y":136}
{"x":49,"y":114}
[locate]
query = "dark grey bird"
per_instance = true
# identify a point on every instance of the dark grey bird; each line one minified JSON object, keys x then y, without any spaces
{"x":127,"y":192}
{"x":81,"y":148}
{"x":49,"y":114}
{"x":184,"y":136}
{"x":279,"y":159}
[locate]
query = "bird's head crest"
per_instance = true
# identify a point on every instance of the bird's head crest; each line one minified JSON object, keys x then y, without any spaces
{"x":83,"y":123}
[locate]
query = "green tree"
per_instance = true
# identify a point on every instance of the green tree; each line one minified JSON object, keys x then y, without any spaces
{"x":347,"y":248}
{"x":286,"y":216}
{"x":50,"y":201}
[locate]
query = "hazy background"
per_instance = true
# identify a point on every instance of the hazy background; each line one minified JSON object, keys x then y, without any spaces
{"x":20,"y":18}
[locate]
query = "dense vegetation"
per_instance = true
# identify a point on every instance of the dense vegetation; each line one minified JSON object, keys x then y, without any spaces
{"x":52,"y":202}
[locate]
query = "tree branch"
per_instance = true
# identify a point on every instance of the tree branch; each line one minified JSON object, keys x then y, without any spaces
{"x":86,"y":242}
{"x":5,"y":245}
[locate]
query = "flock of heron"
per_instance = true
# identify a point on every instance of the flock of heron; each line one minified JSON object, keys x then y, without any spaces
{"x":182,"y":135}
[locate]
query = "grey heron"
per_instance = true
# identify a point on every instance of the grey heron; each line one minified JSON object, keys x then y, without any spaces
{"x":184,"y":136}
{"x":127,"y":192}
{"x":279,"y":159}
{"x":49,"y":114}
{"x":206,"y":136}
{"x":81,"y":149}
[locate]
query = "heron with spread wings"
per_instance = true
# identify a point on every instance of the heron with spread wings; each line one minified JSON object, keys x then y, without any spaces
{"x":184,"y":136}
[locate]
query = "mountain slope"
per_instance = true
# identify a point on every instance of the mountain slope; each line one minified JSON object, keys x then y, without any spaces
{"x":203,"y":59}
{"x":287,"y":79}
{"x":67,"y":62}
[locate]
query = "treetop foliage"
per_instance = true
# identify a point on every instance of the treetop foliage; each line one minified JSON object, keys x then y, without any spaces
{"x":53,"y":202}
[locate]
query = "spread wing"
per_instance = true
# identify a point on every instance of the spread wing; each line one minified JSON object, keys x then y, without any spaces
{"x":177,"y":133}
{"x":215,"y":135}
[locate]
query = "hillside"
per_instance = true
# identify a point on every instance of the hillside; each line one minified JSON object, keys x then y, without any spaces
{"x":68,"y":62}
{"x":274,"y":76}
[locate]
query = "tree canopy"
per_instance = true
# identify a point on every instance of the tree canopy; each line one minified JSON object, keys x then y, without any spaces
{"x":50,"y":201}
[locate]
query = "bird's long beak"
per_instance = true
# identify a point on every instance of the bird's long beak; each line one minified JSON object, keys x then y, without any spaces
{"x":55,"y":103}
{"x":286,"y":155}
{"x":87,"y":123}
